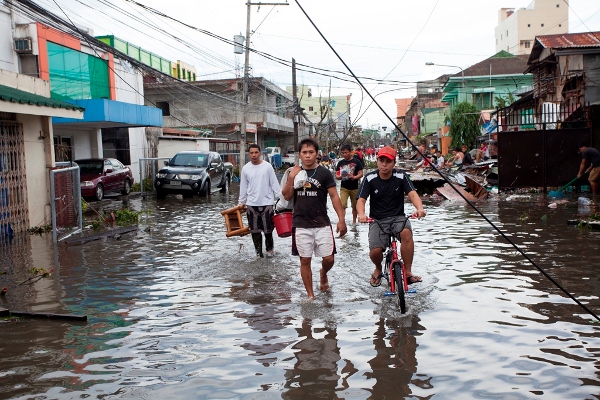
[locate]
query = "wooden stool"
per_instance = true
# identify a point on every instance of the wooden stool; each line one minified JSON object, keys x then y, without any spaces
{"x":233,"y":221}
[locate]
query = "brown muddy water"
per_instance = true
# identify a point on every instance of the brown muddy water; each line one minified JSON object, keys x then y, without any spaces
{"x":178,"y":311}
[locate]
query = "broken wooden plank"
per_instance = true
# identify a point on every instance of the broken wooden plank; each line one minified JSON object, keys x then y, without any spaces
{"x":476,"y":188}
{"x":450,"y":194}
{"x":96,"y":236}
{"x":71,"y":317}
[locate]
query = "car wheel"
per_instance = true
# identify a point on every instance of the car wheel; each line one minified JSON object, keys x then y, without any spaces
{"x":99,"y":192}
{"x":205,"y":190}
{"x":225,"y":187}
{"x":161,"y":194}
{"x":126,"y":187}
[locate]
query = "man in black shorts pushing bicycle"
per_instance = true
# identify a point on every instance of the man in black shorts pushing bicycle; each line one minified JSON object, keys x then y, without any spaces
{"x":386,"y":187}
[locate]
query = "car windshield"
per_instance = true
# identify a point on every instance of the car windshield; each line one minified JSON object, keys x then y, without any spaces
{"x":189,"y":160}
{"x":90,"y":167}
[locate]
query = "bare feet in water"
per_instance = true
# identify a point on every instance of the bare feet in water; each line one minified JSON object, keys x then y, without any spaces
{"x":324,"y":286}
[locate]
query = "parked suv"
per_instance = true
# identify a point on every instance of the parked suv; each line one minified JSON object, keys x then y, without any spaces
{"x":192,"y":173}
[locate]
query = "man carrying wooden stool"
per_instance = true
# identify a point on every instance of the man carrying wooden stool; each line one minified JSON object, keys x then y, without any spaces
{"x":258,"y":189}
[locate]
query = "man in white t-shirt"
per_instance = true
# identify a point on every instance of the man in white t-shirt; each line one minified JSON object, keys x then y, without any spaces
{"x":258,"y":189}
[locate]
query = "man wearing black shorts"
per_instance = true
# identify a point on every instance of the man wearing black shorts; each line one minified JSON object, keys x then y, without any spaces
{"x":386,"y":187}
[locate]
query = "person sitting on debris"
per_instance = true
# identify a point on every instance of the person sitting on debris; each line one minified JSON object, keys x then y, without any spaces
{"x":483,"y":153}
{"x":457,"y":158}
{"x":467,"y":160}
{"x":590,"y":162}
{"x":439,"y":160}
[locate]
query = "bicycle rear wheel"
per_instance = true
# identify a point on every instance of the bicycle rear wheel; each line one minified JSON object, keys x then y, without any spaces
{"x":398,"y":278}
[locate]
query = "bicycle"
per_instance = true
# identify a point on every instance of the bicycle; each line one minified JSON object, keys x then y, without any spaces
{"x":394,"y":270}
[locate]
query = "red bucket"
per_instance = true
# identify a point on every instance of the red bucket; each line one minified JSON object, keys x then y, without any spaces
{"x":283,"y":224}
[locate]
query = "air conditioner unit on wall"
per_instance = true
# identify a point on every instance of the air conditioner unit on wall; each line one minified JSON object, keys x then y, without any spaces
{"x":23,"y":46}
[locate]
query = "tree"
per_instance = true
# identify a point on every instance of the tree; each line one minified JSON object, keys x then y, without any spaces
{"x":502,"y":102}
{"x":463,"y":124}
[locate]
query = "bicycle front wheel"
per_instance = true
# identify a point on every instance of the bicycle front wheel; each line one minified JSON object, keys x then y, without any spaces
{"x":398,"y":278}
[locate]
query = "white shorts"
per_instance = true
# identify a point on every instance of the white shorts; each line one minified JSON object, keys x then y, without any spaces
{"x":306,"y":241}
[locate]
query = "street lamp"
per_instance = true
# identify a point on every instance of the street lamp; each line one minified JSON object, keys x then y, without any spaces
{"x":462,"y":71}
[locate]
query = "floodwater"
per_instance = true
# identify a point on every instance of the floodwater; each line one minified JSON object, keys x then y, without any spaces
{"x":178,"y":311}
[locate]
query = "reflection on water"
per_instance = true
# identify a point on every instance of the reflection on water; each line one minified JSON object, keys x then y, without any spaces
{"x":176,"y":310}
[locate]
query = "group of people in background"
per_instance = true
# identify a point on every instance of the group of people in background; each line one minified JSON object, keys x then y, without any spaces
{"x":309,"y":185}
{"x":459,"y":157}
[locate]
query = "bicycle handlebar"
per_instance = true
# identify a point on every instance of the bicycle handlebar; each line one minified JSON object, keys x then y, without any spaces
{"x":371,"y":220}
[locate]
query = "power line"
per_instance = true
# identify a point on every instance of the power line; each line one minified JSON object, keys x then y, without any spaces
{"x":441,"y":175}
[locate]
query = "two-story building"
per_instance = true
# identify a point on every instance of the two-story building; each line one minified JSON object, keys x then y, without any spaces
{"x":215,"y":108}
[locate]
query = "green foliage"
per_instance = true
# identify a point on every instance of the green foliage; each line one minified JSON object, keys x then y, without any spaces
{"x":39,"y":271}
{"x":126,"y":217}
{"x":502,"y":102}
{"x":40,"y":229}
{"x":464,"y":126}
{"x":98,"y":223}
{"x":368,"y":164}
{"x":148,"y":186}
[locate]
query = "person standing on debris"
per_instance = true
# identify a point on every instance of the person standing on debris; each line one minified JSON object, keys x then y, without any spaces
{"x":590,"y":162}
{"x":258,"y":189}
{"x":386,"y":188}
{"x":309,"y":185}
{"x":349,"y":170}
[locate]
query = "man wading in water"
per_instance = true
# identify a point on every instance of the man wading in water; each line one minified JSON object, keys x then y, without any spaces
{"x":309,"y":185}
{"x":258,"y":188}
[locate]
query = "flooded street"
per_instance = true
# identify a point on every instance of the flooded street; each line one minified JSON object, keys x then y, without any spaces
{"x":178,"y":311}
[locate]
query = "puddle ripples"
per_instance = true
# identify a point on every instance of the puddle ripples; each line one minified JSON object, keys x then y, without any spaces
{"x":178,"y":311}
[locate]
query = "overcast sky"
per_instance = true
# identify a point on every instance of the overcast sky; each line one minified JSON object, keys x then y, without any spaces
{"x":388,"y":40}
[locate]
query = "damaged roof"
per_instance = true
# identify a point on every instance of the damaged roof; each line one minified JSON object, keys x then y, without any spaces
{"x":569,"y":40}
{"x":584,"y":40}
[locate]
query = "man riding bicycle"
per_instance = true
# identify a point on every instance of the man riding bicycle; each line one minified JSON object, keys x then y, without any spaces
{"x":386,"y":187}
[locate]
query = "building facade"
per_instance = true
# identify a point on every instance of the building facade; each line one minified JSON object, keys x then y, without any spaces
{"x":215,"y":108}
{"x":329,"y":116}
{"x":517,"y":28}
{"x":26,"y":135}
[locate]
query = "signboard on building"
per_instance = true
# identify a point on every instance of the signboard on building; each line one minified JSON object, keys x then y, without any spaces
{"x":251,"y":128}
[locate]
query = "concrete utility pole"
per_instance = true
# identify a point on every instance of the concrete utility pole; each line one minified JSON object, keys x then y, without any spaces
{"x":296,"y":109}
{"x":245,"y":81}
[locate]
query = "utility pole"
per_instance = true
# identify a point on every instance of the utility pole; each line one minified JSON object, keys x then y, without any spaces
{"x":330,"y":121}
{"x":296,"y":109}
{"x":245,"y":81}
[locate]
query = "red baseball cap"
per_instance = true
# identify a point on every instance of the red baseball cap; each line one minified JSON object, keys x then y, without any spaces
{"x":387,"y":152}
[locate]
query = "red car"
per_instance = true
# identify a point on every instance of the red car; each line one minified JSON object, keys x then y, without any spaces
{"x":103,"y":175}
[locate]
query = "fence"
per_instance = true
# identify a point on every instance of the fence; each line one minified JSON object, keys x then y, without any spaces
{"x":14,"y":213}
{"x":148,"y":169}
{"x":65,"y":192}
{"x":550,"y":116}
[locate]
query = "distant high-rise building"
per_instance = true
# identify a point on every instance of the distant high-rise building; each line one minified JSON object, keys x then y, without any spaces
{"x":517,"y":28}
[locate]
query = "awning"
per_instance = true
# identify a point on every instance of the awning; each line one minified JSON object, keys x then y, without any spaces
{"x":104,"y":113}
{"x":21,"y":102}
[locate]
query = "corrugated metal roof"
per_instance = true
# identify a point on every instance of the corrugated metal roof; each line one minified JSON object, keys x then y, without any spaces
{"x":19,"y":96}
{"x":570,"y":40}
